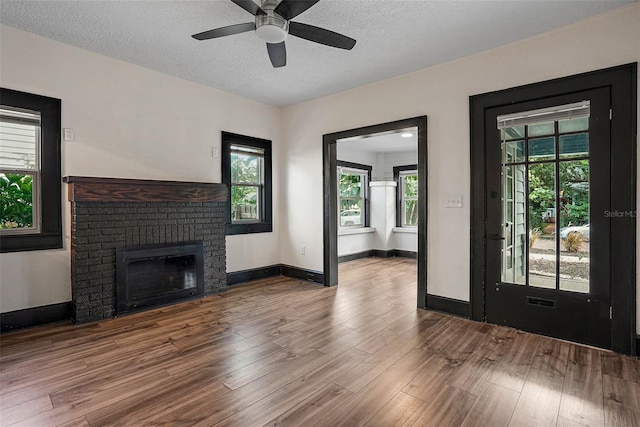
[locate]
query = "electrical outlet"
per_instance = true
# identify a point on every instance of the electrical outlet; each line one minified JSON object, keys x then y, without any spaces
{"x":214,"y":152}
{"x":303,"y":249}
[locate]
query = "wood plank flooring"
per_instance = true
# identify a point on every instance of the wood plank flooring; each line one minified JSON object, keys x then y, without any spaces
{"x":282,"y":352}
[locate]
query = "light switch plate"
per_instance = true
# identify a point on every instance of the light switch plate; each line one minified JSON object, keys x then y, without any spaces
{"x":69,"y":134}
{"x":453,"y":200}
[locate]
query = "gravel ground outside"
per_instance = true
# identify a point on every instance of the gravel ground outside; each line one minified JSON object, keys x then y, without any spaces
{"x":575,"y":270}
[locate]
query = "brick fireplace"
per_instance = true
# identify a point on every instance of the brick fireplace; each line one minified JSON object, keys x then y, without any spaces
{"x":110,"y":213}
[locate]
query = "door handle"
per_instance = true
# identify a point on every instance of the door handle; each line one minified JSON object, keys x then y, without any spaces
{"x":494,"y":236}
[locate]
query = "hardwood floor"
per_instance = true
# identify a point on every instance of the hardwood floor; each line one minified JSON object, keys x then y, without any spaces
{"x":281,"y":352}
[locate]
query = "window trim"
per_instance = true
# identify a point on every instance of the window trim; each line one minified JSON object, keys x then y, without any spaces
{"x":265,"y":225}
{"x":366,"y":198}
{"x":49,"y":236}
{"x":396,"y":178}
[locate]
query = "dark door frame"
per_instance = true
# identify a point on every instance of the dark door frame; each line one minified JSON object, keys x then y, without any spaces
{"x":621,"y":82}
{"x":330,"y":200}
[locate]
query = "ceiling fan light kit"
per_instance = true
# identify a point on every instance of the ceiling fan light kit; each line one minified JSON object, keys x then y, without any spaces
{"x":272,"y":25}
{"x":272,"y":28}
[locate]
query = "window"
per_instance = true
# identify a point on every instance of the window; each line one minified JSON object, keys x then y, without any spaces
{"x":407,"y":195}
{"x":353,"y":185}
{"x":19,"y":170}
{"x":546,"y":193}
{"x":246,"y":168}
{"x":30,"y":193}
{"x":247,"y":182}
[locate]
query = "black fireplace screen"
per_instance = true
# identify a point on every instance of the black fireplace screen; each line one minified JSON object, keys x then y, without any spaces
{"x":153,"y":275}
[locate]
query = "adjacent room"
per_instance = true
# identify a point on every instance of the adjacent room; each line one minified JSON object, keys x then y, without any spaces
{"x":325,"y":212}
{"x":378,"y":191}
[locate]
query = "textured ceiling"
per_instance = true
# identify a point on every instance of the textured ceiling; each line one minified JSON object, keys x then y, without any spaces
{"x":394,"y":37}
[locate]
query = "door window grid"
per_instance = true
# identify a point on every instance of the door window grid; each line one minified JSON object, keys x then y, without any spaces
{"x":560,"y":145}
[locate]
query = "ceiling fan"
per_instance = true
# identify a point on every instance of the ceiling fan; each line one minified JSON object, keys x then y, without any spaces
{"x":273,"y":24}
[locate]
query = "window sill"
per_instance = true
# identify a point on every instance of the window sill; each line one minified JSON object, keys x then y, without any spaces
{"x":409,"y":230}
{"x":355,"y":230}
{"x":248,"y":228}
{"x":30,"y":242}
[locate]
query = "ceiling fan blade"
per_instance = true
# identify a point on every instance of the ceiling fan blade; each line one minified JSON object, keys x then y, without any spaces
{"x":277,"y":54}
{"x":225,"y":31}
{"x":250,"y":7}
{"x":320,"y":35}
{"x":289,"y":9}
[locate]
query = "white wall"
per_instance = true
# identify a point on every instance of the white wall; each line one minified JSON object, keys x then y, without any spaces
{"x":442,"y":93}
{"x":405,"y":239}
{"x":383,"y":213}
{"x":129,"y":122}
{"x":356,"y":241}
{"x":400,"y":158}
{"x":351,"y":154}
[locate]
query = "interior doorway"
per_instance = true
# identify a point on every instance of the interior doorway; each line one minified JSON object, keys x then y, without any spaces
{"x":348,"y":207}
{"x":550,"y":162}
{"x":377,"y":195}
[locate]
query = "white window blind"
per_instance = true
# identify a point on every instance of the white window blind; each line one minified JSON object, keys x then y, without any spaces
{"x":248,"y":150}
{"x":19,"y":140}
{"x":563,"y":112}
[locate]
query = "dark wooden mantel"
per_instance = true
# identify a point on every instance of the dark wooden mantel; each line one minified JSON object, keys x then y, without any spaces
{"x":93,"y":189}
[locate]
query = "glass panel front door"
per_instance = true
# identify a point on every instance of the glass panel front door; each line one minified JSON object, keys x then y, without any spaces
{"x":546,"y":252}
{"x":545,"y":203}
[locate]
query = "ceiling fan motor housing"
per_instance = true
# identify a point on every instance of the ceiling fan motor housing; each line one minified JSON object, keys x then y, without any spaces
{"x":272,"y":28}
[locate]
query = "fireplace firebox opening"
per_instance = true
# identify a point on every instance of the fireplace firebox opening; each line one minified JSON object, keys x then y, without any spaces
{"x":154,"y":275}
